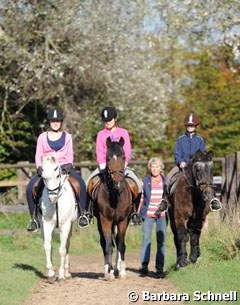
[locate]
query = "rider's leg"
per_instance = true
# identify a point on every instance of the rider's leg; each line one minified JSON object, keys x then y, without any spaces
{"x":164,"y":203}
{"x":33,"y":225}
{"x":83,"y":220}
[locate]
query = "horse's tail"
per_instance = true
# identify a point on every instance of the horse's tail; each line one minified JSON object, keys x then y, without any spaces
{"x":114,"y":235}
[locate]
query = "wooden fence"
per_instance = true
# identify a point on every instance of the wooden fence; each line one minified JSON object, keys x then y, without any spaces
{"x":228,"y":170}
{"x":231,"y":188}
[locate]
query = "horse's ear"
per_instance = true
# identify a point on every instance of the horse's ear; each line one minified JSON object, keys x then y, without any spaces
{"x":198,"y":155}
{"x":108,"y":141}
{"x":210,"y":155}
{"x":121,"y":141}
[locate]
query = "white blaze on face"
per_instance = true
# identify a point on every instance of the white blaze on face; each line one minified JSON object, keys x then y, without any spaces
{"x":115,"y":157}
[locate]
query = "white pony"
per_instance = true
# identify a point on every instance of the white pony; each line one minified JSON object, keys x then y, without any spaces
{"x":59,"y":209}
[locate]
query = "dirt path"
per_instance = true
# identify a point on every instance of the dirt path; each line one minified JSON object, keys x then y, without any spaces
{"x":87,"y":286}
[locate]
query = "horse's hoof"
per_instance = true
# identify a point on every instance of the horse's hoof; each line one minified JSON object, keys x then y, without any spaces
{"x":61,"y":279}
{"x":182,"y":263}
{"x":116,"y":272}
{"x":122,"y":276}
{"x":109,"y":276}
{"x":193,"y":259}
{"x":51,"y":279}
{"x":68,"y":276}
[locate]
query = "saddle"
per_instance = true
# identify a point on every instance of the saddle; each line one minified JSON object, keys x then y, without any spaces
{"x":133,"y":187}
{"x":173,"y":182}
{"x":92,"y":185}
{"x":95,"y":181}
{"x":39,"y":185}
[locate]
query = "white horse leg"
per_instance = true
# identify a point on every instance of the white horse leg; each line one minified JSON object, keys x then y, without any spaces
{"x":47,"y":237}
{"x":66,"y":266}
{"x":120,"y":266}
{"x":64,"y":236}
{"x":117,"y":265}
{"x":109,"y":276}
{"x":122,"y":273}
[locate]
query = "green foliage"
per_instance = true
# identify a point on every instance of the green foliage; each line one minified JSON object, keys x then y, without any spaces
{"x":213,"y":93}
{"x":225,"y":242}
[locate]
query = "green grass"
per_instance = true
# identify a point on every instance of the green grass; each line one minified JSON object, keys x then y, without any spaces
{"x":23,"y":259}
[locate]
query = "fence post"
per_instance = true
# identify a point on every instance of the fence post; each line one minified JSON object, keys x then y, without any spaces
{"x":85,"y":171}
{"x":21,"y":175}
{"x":237,"y":154}
{"x":230,"y":198}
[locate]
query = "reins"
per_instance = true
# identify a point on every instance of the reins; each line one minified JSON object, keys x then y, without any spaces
{"x":200,"y":187}
{"x":56,"y":191}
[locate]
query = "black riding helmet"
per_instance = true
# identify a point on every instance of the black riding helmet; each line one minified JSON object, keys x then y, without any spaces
{"x":55,"y":114}
{"x":108,"y":113}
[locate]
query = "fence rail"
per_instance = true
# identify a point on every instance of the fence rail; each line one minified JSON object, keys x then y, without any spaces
{"x":229,"y":171}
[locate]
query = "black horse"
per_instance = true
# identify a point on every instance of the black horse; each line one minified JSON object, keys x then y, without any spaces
{"x":112,"y":206}
{"x":190,"y":204}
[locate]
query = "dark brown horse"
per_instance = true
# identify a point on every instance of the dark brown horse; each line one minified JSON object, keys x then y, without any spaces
{"x":112,"y":206}
{"x":190,"y":204}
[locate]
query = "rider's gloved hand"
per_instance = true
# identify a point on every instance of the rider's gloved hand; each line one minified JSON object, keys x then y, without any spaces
{"x":66,"y":168}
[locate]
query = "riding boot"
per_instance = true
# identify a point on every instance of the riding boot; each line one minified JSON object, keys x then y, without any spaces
{"x":33,"y":225}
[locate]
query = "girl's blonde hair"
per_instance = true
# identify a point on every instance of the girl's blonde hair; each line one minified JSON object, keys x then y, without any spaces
{"x":155,"y":160}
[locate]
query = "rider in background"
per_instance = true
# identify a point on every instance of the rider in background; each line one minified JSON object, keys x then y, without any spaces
{"x":186,"y":146}
{"x":59,"y":144}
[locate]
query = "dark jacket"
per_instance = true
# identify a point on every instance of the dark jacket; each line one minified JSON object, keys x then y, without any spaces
{"x":147,"y":193}
{"x":186,"y":146}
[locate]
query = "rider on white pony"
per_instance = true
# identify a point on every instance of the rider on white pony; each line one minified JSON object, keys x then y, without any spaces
{"x":58,"y":143}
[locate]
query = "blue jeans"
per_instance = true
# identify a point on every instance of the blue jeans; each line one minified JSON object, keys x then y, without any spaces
{"x":147,"y":228}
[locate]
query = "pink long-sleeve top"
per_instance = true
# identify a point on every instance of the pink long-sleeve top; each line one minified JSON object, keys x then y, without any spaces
{"x":101,"y":146}
{"x":63,"y":156}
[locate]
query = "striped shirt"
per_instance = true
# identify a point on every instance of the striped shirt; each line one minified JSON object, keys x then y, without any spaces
{"x":156,"y":196}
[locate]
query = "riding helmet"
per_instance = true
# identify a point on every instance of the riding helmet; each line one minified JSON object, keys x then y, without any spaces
{"x":108,"y":113}
{"x":55,"y":114}
{"x":191,"y":119}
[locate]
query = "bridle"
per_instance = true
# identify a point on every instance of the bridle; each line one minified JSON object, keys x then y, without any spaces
{"x":200,"y":186}
{"x":56,"y":191}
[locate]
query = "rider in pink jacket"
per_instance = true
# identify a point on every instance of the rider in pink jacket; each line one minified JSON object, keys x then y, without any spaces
{"x":109,"y":118}
{"x":58,"y":143}
{"x":115,"y":135}
{"x":64,"y":155}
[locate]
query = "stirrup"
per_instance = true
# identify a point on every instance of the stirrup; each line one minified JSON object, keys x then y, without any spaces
{"x":218,"y":201}
{"x":84,"y":219}
{"x":89,"y":217}
{"x":33,"y":226}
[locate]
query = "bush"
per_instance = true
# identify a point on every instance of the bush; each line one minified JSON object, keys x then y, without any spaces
{"x":222,"y":242}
